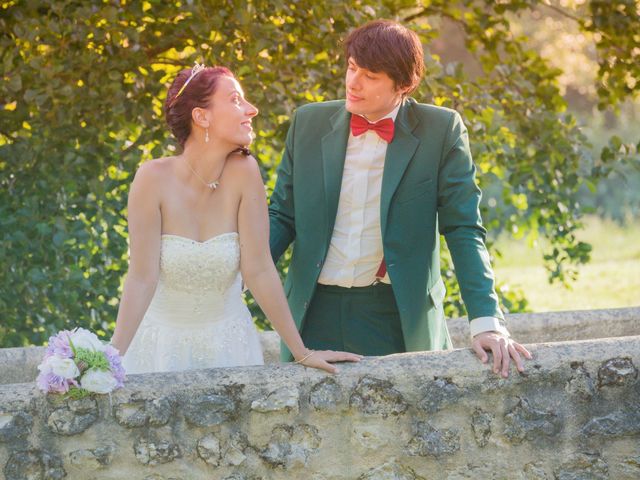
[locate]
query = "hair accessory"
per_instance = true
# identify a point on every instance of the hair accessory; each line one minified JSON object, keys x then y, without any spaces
{"x":197,"y":68}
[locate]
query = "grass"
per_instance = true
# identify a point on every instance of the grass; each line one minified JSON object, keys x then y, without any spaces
{"x":610,"y":280}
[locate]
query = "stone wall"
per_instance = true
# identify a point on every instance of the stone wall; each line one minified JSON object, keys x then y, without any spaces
{"x":20,"y":364}
{"x":575,"y":414}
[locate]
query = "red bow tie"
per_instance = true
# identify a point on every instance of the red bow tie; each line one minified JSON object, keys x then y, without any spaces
{"x":384,"y":127}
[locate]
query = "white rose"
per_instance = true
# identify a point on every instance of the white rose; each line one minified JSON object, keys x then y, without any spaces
{"x":82,"y":338}
{"x":63,"y":367}
{"x":98,"y":381}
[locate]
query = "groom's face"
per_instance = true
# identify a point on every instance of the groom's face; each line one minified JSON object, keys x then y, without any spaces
{"x":372,"y":94}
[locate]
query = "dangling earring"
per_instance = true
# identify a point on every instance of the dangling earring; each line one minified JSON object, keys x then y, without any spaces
{"x":206,"y":136}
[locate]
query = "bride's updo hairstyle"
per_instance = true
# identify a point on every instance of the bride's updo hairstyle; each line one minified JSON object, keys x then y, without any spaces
{"x":191,"y":88}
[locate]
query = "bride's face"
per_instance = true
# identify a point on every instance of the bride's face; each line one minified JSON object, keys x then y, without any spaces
{"x":230,"y":114}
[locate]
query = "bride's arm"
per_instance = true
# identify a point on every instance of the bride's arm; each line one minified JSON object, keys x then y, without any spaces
{"x":260,"y":274}
{"x":144,"y":224}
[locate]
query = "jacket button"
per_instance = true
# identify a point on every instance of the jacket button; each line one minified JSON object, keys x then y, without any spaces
{"x":318,"y":264}
{"x":306,"y":304}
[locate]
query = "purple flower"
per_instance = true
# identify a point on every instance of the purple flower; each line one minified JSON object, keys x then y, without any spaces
{"x":50,"y":382}
{"x":59,"y":345}
{"x":57,"y":374}
{"x":115,"y":364}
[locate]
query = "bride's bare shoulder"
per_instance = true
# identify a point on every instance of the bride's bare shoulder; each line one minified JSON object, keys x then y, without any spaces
{"x":242,"y":165}
{"x":155,"y":169}
{"x":152,"y":176}
{"x":245,"y":172}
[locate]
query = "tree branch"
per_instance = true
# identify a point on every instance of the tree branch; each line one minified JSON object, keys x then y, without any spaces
{"x":564,"y":13}
{"x":413,"y":16}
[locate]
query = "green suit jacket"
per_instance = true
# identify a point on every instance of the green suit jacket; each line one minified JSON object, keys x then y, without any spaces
{"x":428,"y":188}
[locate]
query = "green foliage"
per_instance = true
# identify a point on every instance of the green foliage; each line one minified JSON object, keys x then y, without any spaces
{"x":91,"y":359}
{"x":81,"y":107}
{"x":615,"y":23}
{"x":76,"y":393}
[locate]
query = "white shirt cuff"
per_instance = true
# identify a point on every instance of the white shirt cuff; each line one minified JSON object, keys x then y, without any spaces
{"x":487,"y":324}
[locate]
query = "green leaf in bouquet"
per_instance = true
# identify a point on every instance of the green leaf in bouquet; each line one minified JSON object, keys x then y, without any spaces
{"x":73,"y":348}
{"x":86,"y":359}
{"x":76,"y":393}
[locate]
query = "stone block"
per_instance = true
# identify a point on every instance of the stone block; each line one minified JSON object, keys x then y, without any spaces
{"x":326,"y":395}
{"x":390,"y":471}
{"x":152,"y":451}
{"x":95,"y":458}
{"x":14,"y":426}
{"x":481,"y":425}
{"x":525,"y":422}
{"x":74,"y":417}
{"x":131,"y":415}
{"x":156,"y":412}
{"x":34,"y":464}
{"x":290,"y":446}
{"x":474,"y":471}
{"x":616,"y":372}
{"x":583,"y":466}
{"x":621,"y":422}
{"x":284,"y":399}
{"x":534,"y":471}
{"x":209,"y":449}
{"x":429,"y":441}
{"x":580,"y":386}
{"x":630,"y":467}
{"x":377,"y":397}
{"x":157,"y":476}
{"x":439,"y":393}
{"x":242,"y":476}
{"x":210,"y":409}
{"x":233,"y":451}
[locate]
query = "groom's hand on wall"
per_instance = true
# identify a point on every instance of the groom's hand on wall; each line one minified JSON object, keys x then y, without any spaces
{"x":503,"y":350}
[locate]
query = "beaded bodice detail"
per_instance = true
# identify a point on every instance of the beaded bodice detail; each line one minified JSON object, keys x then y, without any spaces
{"x":198,"y":280}
{"x":190,"y":266}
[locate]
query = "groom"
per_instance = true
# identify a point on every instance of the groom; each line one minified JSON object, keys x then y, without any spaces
{"x":364,"y":190}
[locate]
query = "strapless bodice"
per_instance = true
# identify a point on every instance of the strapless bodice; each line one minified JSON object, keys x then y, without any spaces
{"x":197,"y":317}
{"x":199,"y":282}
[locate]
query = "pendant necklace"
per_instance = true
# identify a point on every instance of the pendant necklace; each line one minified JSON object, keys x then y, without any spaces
{"x":212,"y":185}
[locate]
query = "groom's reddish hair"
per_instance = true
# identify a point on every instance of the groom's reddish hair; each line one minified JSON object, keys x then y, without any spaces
{"x":389,"y":47}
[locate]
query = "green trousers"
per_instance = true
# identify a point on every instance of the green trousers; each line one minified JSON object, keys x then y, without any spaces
{"x":363,"y":320}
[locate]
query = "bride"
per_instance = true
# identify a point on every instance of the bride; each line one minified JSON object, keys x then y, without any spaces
{"x":198,"y":228}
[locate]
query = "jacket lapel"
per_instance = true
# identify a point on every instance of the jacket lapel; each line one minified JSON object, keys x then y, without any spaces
{"x":334,"y":149}
{"x":399,"y":154}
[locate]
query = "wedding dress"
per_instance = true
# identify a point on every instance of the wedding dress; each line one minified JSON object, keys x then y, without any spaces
{"x":197,"y":318}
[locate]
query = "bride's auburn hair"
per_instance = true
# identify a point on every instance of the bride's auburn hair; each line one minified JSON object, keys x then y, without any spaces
{"x":181,"y":99}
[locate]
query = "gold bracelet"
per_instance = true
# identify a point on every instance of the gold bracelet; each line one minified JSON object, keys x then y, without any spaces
{"x":305,"y":357}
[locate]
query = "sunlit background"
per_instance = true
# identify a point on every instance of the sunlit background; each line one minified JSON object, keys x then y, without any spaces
{"x":548,"y":90}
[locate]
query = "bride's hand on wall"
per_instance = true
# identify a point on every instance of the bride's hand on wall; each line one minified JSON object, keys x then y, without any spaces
{"x":323,"y":359}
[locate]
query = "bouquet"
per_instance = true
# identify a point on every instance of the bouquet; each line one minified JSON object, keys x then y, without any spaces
{"x":77,"y":363}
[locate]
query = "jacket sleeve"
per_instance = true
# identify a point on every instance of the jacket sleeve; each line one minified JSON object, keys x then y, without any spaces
{"x":460,"y":223}
{"x":281,"y":207}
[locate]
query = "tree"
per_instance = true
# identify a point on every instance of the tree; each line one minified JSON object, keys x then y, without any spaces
{"x":82,"y":92}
